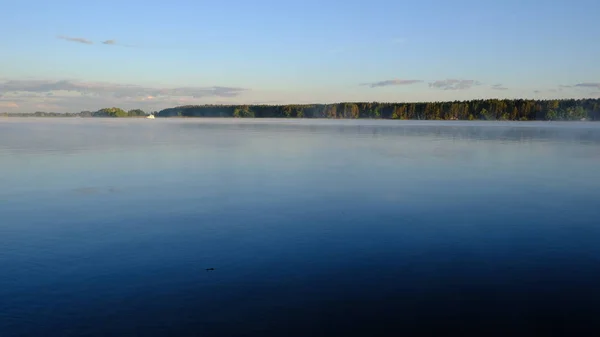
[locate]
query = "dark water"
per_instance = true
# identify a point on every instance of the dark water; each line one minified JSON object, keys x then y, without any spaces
{"x":313,"y":228}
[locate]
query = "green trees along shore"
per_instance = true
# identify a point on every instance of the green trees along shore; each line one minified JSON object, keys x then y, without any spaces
{"x":106,"y":112}
{"x":490,"y":109}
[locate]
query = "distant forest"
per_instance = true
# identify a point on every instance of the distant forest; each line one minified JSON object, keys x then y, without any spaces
{"x":489,"y":109}
{"x":106,"y":112}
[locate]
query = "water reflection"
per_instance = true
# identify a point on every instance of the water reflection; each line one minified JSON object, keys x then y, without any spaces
{"x":313,"y":228}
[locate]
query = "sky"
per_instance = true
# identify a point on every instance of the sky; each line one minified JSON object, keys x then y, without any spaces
{"x":70,"y":56}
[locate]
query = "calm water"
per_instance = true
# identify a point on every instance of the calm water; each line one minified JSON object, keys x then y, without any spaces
{"x":313,"y":228}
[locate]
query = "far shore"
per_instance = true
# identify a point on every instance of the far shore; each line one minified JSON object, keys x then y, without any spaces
{"x":473,"y":110}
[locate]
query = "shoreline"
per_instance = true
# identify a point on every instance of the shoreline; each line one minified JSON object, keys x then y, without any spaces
{"x":584,"y":120}
{"x":481,"y":109}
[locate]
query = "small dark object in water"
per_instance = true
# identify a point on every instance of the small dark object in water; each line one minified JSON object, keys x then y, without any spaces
{"x":207,"y":269}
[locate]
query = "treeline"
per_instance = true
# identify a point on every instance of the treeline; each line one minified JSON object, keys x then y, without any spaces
{"x":106,"y":112}
{"x":115,"y":112}
{"x":491,"y":109}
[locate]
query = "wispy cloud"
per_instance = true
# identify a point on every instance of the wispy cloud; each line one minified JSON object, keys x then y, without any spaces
{"x":47,"y":107}
{"x":499,"y":87}
{"x":588,"y":85}
{"x":111,"y":42}
{"x":267,"y":102}
{"x":115,"y":43}
{"x":387,"y":83}
{"x":558,"y":88}
{"x":10,"y":105}
{"x":118,"y":90}
{"x":454,"y":84}
{"x":71,"y":95}
{"x":75,"y":39}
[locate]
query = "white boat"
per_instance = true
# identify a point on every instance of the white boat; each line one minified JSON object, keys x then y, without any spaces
{"x":150,"y":117}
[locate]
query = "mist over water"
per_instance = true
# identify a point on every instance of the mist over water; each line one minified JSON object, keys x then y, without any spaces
{"x":313,"y":228}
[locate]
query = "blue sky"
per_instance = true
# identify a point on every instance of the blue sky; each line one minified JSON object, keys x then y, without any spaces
{"x":160,"y":54}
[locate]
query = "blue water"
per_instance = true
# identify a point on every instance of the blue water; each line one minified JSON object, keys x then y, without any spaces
{"x":313,"y":228}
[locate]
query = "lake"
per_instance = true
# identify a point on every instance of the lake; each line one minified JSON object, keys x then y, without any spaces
{"x":313,"y":228}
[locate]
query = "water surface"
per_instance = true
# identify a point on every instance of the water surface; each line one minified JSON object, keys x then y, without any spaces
{"x":313,"y":227}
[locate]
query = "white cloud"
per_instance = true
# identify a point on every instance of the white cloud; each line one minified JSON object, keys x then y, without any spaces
{"x":387,"y":83}
{"x":118,"y":90}
{"x":72,"y":96}
{"x":75,"y":39}
{"x":454,"y":84}
{"x":10,"y":105}
{"x":588,"y":85}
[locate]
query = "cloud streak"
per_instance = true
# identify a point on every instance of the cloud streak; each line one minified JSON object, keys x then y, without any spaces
{"x":115,"y":43}
{"x":388,"y":83}
{"x":117,"y":90}
{"x":111,"y":42}
{"x":454,"y":84}
{"x":72,"y":95}
{"x":499,"y":87}
{"x":10,"y":105}
{"x":595,"y":85}
{"x":75,"y":39}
